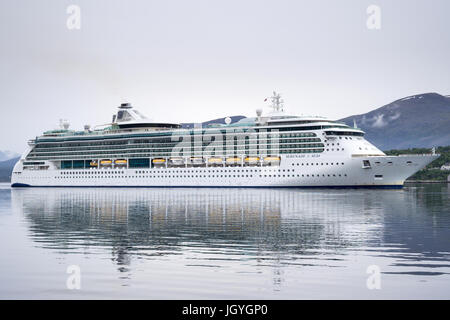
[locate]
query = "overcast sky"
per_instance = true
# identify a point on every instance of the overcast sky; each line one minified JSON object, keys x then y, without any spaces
{"x":192,"y":61}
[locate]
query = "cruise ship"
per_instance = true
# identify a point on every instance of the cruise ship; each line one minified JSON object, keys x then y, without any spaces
{"x":273,"y":149}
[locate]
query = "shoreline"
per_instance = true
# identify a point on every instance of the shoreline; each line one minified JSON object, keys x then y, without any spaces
{"x":426,"y":181}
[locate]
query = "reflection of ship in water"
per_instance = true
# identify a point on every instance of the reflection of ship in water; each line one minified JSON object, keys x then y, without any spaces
{"x":163,"y":221}
{"x":266,"y":226}
{"x":246,"y":230}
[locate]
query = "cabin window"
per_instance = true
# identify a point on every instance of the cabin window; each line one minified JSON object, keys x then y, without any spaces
{"x":366,"y":164}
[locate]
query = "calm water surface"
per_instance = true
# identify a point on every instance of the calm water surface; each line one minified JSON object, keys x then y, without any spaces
{"x":225,"y":243}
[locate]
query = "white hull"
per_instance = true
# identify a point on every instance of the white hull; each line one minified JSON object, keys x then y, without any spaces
{"x":293,"y":171}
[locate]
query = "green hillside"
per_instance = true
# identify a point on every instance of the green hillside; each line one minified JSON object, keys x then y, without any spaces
{"x":432,"y":171}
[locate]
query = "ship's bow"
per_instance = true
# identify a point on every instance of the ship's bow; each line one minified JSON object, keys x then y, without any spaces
{"x":394,"y":170}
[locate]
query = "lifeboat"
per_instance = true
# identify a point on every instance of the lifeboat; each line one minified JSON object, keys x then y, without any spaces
{"x":176,"y":161}
{"x":106,"y":162}
{"x":120,"y":162}
{"x":215,"y":160}
{"x":197,"y":161}
{"x":93,"y":164}
{"x":271,"y":160}
{"x":251,"y":160}
{"x":159,"y":162}
{"x":233,"y":161}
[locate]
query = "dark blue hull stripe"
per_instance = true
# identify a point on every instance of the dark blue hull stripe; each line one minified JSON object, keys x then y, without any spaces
{"x":22,"y":185}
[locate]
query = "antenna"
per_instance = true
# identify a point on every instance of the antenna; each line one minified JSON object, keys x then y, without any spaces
{"x":277,"y":102}
{"x":354,"y":123}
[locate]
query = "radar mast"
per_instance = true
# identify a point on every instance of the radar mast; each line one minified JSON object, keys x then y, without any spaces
{"x":277,"y":102}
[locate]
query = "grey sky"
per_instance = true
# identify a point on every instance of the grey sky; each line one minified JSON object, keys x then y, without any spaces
{"x":197,"y":60}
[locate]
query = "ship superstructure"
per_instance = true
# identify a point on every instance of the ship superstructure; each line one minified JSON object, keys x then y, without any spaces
{"x":270,"y":150}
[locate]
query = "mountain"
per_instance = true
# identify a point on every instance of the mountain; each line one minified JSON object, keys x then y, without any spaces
{"x":6,"y":155}
{"x":421,"y":120}
{"x":6,"y":168}
{"x":220,"y":120}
